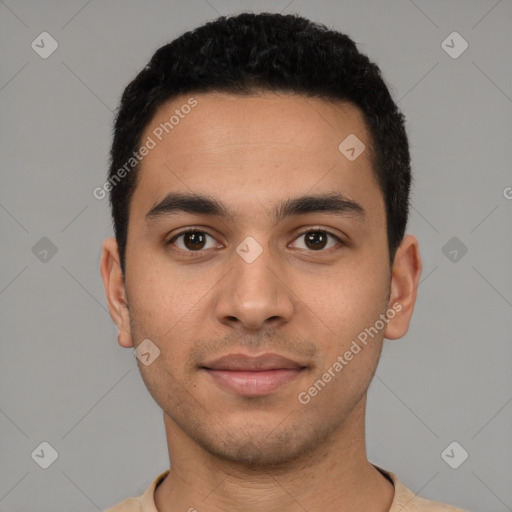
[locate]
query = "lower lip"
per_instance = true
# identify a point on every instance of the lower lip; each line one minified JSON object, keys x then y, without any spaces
{"x":253,"y":383}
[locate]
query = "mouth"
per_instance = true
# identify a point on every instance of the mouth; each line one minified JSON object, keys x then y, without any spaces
{"x":253,"y":376}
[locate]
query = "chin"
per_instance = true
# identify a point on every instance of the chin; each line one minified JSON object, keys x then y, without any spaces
{"x":257,"y":447}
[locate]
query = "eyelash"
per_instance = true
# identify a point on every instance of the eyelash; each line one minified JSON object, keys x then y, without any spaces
{"x":311,"y":230}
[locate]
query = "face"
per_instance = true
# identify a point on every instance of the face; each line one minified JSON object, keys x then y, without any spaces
{"x":258,"y":312}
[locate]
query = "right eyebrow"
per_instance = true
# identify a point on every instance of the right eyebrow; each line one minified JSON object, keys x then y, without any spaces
{"x":188,"y":203}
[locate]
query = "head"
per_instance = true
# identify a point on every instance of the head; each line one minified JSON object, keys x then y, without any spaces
{"x":279,"y":144}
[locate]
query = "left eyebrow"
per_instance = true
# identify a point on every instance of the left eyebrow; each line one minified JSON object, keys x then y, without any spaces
{"x":334,"y":203}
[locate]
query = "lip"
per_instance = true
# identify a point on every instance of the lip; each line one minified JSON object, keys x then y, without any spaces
{"x":253,"y":376}
{"x":243,"y":362}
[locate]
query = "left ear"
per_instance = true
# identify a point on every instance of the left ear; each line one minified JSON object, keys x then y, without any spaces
{"x":405,"y":276}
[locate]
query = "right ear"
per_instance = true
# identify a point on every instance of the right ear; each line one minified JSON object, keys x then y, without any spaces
{"x":113,"y":281}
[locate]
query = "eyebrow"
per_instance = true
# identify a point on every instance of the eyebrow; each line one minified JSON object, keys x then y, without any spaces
{"x":334,"y":203}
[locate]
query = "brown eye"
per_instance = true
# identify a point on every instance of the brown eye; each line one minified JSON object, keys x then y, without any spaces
{"x":192,"y":240}
{"x":317,"y":240}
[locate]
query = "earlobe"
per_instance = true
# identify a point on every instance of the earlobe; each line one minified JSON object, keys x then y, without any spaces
{"x":113,"y":283}
{"x":406,"y":272}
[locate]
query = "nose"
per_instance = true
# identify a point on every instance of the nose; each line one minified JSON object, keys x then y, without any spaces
{"x":254,"y":294}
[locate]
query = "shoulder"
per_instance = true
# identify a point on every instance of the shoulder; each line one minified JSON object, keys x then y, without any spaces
{"x":143,"y":503}
{"x":417,"y":504}
{"x":406,"y":501}
{"x":127,"y":505}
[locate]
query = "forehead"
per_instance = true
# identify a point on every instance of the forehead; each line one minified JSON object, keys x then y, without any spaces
{"x":254,"y":149}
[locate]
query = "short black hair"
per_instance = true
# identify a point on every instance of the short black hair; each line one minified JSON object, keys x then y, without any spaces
{"x":252,"y":53}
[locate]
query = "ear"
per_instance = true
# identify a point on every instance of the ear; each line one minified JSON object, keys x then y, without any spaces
{"x":113,"y":281}
{"x":405,"y":276}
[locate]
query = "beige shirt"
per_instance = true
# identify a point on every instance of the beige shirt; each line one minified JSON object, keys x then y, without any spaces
{"x":404,"y":500}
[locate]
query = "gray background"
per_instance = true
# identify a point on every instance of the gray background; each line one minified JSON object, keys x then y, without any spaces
{"x":64,"y":379}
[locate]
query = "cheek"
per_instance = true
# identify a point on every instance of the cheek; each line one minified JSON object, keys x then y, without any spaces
{"x":164,"y":293}
{"x":346,"y":302}
{"x":350,"y":346}
{"x":167,"y":305}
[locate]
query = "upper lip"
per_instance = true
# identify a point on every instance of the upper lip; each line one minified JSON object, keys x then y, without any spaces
{"x":242,"y":362}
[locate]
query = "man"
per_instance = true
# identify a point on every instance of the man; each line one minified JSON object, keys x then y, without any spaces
{"x":259,"y":185}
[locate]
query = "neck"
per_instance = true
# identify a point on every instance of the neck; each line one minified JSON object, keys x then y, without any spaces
{"x":336,"y":476}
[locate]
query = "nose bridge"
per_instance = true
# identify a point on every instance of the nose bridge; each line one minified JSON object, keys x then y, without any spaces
{"x":254,"y":292}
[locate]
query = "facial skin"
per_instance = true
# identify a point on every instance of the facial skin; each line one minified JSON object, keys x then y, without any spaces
{"x":306,"y":301}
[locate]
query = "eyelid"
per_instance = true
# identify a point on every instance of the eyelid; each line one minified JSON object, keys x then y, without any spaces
{"x":189,"y":230}
{"x":192,"y":229}
{"x":321,"y":230}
